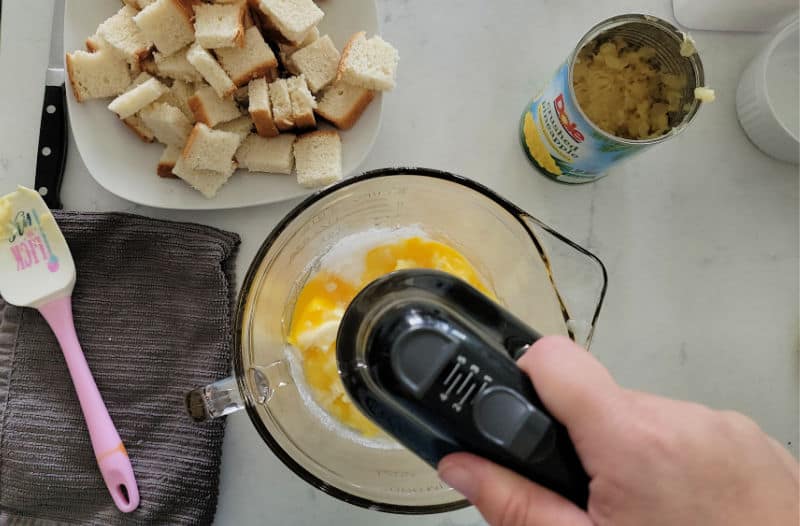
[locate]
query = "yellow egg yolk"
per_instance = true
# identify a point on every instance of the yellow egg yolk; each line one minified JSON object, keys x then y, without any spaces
{"x":324,"y":298}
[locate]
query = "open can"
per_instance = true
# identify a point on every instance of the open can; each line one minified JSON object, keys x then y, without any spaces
{"x":557,"y":135}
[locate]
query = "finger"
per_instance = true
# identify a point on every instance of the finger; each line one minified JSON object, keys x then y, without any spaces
{"x":783,"y":454}
{"x":572,"y":384}
{"x":506,"y":498}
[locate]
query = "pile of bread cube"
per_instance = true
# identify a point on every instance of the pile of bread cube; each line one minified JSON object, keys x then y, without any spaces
{"x":232,"y":84}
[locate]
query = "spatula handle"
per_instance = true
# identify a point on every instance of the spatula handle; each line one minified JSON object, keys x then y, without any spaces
{"x":112,"y":458}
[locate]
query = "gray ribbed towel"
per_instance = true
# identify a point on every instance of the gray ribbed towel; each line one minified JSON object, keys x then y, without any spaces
{"x":152,"y":307}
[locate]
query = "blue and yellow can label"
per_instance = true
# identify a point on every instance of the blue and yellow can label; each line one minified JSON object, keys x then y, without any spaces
{"x":562,"y":142}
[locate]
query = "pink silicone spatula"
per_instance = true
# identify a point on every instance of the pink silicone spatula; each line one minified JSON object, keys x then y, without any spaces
{"x":36,"y":270}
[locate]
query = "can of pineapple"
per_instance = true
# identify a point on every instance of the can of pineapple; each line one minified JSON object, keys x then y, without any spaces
{"x":628,"y":84}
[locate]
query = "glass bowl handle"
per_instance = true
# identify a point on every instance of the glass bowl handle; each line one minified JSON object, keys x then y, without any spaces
{"x":224,"y":397}
{"x":214,"y":400}
{"x":579,"y":277}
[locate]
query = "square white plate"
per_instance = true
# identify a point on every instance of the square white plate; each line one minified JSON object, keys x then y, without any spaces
{"x":126,"y":166}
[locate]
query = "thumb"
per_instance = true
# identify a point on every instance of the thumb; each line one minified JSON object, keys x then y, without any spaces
{"x":574,"y":386}
{"x":506,"y":498}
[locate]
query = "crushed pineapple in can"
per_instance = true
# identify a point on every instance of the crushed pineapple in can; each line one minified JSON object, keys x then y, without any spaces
{"x":629,"y":84}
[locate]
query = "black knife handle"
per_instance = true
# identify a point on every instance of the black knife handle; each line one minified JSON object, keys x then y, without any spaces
{"x":52,"y":154}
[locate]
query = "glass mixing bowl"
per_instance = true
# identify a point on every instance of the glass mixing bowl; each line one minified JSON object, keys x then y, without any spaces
{"x":546,"y":280}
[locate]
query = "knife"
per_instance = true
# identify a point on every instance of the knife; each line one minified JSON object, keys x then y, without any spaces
{"x":52,"y":153}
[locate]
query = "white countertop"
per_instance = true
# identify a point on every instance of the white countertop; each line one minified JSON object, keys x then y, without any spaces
{"x":699,"y":234}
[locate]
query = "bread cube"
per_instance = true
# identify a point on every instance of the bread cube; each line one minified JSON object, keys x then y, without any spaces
{"x":168,"y":24}
{"x":342,"y":104}
{"x":254,"y":60}
{"x":169,"y":125}
{"x":178,"y":96}
{"x":281,"y":105}
{"x":219,"y":25}
{"x":206,"y":182}
{"x":210,"y":69}
{"x":137,"y":97}
{"x":124,"y":36}
{"x":176,"y":66}
{"x":167,"y":161}
{"x":285,"y":51}
{"x":303,"y":102}
{"x":293,"y":18}
{"x":319,"y":62}
{"x":97,"y":75}
{"x":210,"y":109}
{"x":208,"y":149}
{"x":318,"y":158}
{"x":242,"y":126}
{"x":371,"y":64}
{"x":260,"y":108}
{"x":137,"y":126}
{"x":271,"y":155}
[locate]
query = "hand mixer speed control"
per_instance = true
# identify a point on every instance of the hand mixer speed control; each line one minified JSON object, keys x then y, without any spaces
{"x":469,"y":388}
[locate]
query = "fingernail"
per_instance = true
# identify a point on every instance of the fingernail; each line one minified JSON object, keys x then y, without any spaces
{"x":460,"y":480}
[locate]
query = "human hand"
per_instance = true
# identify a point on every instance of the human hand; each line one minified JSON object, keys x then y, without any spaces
{"x":653,"y":461}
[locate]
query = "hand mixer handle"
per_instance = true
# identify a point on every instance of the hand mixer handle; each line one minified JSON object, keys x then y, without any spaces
{"x":431,"y":360}
{"x":112,"y":458}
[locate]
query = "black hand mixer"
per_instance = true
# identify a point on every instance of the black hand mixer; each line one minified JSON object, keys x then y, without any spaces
{"x":431,"y":361}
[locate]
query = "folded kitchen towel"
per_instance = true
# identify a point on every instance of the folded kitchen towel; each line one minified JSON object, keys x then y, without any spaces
{"x":152,"y":306}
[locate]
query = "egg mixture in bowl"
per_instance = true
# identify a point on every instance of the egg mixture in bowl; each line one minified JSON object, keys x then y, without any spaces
{"x":351,"y":265}
{"x":313,"y":264}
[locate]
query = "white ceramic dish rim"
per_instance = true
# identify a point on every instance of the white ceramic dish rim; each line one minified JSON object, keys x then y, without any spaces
{"x":793,"y":25}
